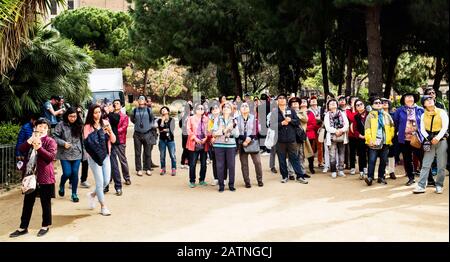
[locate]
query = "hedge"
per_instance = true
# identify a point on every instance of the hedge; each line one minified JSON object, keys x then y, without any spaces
{"x":8,"y":133}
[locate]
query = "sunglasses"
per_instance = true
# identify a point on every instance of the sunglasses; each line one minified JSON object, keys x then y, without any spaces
{"x":431,"y":92}
{"x":359,"y":104}
{"x":377,"y":103}
{"x":244,"y":105}
{"x":385,"y":102}
{"x":200,"y":108}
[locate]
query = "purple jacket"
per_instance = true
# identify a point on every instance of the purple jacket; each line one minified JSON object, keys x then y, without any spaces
{"x":45,"y":157}
{"x":400,"y":117}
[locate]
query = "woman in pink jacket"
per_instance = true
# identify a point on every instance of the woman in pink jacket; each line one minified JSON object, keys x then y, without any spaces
{"x":197,"y":144}
{"x":102,"y":173}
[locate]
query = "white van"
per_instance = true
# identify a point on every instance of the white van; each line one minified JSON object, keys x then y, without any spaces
{"x":107,"y":84}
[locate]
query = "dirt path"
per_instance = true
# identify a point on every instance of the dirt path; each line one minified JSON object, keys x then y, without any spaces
{"x":164,"y":208}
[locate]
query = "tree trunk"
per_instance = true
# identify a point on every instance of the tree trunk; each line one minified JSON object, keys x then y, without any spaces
{"x":285,"y":78}
{"x":145,"y":81}
{"x":224,"y":80}
{"x":339,"y":89}
{"x":374,"y":49}
{"x":296,"y":82}
{"x":438,"y":77}
{"x":348,"y":77}
{"x":390,"y":74}
{"x":164,"y":97}
{"x":235,"y":70}
{"x":323,"y":58}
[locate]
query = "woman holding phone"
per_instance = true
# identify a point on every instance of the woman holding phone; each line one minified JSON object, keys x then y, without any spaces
{"x":95,"y":125}
{"x":40,"y":152}
{"x":68,"y":137}
{"x":166,"y":126}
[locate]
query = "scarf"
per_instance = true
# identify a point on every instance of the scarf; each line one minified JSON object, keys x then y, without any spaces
{"x":437,"y":121}
{"x":336,"y":119}
{"x":411,"y":113}
{"x":380,"y":129}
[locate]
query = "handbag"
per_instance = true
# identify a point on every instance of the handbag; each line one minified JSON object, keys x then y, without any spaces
{"x":252,"y":147}
{"x":29,"y":181}
{"x":29,"y":184}
{"x":321,"y":137}
{"x":337,"y":139}
{"x":300,"y":135}
{"x":415,"y":141}
{"x":270,"y":138}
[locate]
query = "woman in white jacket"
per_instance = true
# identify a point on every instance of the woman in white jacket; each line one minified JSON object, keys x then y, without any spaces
{"x":336,"y":124}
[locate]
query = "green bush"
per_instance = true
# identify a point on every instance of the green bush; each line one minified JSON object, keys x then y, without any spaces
{"x":8,"y":133}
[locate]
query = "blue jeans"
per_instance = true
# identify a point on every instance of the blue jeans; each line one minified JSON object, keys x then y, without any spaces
{"x":102,"y":176}
{"x":373,"y":155}
{"x":170,"y":145}
{"x":194,"y":155}
{"x":70,"y":171}
{"x":440,"y":152}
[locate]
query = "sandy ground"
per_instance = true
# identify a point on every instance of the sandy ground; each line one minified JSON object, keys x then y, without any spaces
{"x":164,"y":208}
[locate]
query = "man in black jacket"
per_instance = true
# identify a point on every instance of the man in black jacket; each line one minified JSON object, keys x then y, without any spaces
{"x":285,"y":121}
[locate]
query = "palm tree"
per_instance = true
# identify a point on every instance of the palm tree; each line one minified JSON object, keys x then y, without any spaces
{"x":49,"y":64}
{"x":16,"y":18}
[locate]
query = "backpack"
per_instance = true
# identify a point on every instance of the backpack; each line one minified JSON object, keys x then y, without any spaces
{"x":149,"y":113}
{"x":96,"y":146}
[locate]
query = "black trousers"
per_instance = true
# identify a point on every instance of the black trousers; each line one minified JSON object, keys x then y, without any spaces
{"x":362,"y":154}
{"x":185,"y":156}
{"x":46,"y":192}
{"x":408,"y":151}
{"x":353,"y":148}
{"x":84,"y":170}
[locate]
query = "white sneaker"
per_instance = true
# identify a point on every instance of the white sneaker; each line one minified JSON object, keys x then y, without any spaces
{"x":149,"y":173}
{"x":91,"y":200}
{"x":361,"y":175}
{"x":419,"y":190}
{"x":214,"y":182}
{"x":341,"y":174}
{"x":284,"y":180}
{"x":139,"y":173}
{"x":439,"y":190}
{"x":365,"y":170}
{"x":333,"y":175}
{"x":325,"y":170}
{"x":105,"y":211}
{"x":352,"y":171}
{"x":85,"y":184}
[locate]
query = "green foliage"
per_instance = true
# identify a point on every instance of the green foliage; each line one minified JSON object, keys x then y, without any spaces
{"x":103,"y":31}
{"x":204,"y":81}
{"x":49,"y":65}
{"x":168,"y":80}
{"x":8,"y":133}
{"x":412,"y":72}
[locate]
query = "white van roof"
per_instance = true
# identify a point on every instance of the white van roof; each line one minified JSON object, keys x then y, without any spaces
{"x":109,"y":79}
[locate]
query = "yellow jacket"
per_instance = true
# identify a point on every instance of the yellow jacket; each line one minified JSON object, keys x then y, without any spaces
{"x":371,"y":127}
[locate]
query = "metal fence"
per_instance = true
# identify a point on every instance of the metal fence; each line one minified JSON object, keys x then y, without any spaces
{"x":9,"y":175}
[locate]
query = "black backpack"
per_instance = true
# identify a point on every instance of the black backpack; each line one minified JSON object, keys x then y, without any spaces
{"x":149,"y":115}
{"x":300,"y":135}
